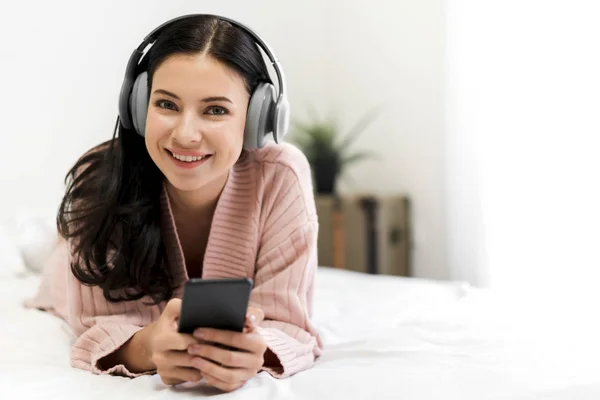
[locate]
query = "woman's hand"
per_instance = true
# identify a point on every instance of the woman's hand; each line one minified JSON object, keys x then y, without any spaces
{"x":168,"y":348}
{"x":227,"y":360}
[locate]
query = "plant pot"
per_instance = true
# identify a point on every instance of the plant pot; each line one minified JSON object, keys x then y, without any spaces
{"x":324,"y":183}
{"x":325,"y":175}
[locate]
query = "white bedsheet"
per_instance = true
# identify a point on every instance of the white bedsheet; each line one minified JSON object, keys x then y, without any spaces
{"x":386,"y":338}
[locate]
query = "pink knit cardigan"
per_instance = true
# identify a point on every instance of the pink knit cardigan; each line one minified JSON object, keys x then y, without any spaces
{"x":264,"y":227}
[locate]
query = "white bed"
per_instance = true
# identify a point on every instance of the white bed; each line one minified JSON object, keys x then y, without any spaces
{"x":385,"y":338}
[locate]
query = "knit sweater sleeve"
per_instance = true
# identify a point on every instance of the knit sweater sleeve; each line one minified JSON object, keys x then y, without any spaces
{"x":102,"y":327}
{"x":286,"y":267}
{"x":99,"y":327}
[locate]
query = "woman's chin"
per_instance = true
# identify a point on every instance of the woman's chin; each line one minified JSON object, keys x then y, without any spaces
{"x":187,"y":185}
{"x":209,"y":180}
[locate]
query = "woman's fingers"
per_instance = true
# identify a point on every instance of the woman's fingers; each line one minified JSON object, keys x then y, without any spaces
{"x":170,"y":381}
{"x":176,"y":367}
{"x":179,"y":341}
{"x":177,"y":375}
{"x":222,"y":385}
{"x":254,"y":317}
{"x":180,"y":359}
{"x":177,"y":358}
{"x":225,"y":357}
{"x":222,"y":377}
{"x":250,"y":342}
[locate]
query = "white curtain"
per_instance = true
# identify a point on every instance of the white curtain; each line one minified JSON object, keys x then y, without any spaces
{"x":523,"y":144}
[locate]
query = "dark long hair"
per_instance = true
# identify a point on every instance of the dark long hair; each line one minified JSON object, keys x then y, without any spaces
{"x":111,"y":208}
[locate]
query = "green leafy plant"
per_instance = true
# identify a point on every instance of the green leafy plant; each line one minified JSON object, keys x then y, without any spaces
{"x":327,"y":150}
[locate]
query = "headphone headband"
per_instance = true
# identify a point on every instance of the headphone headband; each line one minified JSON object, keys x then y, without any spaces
{"x":152,"y":36}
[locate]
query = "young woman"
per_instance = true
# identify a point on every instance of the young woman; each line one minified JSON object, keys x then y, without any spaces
{"x":188,"y":195}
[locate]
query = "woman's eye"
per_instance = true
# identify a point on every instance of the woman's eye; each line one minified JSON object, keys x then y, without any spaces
{"x":216,"y":110}
{"x":166,"y":104}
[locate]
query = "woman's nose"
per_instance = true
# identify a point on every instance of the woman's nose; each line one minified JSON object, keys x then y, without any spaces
{"x":188,"y":129}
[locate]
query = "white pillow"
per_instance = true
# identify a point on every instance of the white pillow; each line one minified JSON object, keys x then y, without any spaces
{"x":34,"y":238}
{"x":11,"y":262}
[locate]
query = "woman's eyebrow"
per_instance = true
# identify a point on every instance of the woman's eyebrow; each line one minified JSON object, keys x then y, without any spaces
{"x":163,"y":91}
{"x":216,"y":98}
{"x":205,"y":100}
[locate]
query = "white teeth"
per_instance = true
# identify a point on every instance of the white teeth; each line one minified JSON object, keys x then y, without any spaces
{"x":189,"y":158}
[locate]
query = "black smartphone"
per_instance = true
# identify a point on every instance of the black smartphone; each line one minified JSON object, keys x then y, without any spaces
{"x":215,"y":303}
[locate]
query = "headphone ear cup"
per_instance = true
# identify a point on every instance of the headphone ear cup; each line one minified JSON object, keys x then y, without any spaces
{"x":124,"y":113}
{"x":138,"y":103}
{"x":281,"y":121}
{"x":259,"y":118}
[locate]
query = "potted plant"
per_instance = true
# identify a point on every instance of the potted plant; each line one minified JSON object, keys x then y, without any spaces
{"x":327,"y":150}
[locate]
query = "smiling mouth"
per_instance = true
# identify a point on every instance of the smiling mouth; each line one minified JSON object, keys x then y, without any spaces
{"x":188,"y":161}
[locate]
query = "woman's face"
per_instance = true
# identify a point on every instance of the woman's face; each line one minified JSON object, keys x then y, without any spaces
{"x":196,"y":119}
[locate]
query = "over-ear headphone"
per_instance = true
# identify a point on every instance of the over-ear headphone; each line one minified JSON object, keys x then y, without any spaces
{"x":268,"y":110}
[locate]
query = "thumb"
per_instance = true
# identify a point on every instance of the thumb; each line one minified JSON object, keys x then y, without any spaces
{"x":172,"y":309}
{"x":254,"y":316}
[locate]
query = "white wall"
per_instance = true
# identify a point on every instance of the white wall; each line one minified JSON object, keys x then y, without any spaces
{"x":523,"y":140}
{"x":62,"y":69}
{"x":63,"y":62}
{"x":390,"y":55}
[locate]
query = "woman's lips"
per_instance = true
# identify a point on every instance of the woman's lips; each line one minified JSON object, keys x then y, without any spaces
{"x":189,"y":164}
